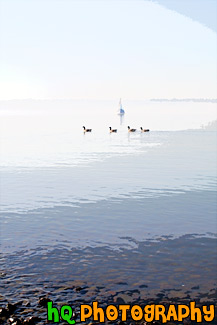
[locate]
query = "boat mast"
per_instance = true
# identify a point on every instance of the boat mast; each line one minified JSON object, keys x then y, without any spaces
{"x":120,"y":104}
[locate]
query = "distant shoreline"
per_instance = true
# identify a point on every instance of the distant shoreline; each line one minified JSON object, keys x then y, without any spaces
{"x":196,"y":100}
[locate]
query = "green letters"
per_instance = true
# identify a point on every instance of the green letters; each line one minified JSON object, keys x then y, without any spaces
{"x":53,"y":313}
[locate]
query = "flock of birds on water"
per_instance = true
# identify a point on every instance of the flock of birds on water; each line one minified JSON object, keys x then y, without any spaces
{"x":115,"y":130}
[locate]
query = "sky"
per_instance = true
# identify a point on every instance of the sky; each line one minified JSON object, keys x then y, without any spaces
{"x":68,"y":49}
{"x":204,"y":11}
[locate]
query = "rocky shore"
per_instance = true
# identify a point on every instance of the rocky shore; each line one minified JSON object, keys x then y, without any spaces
{"x":33,"y":310}
{"x":167,"y":271}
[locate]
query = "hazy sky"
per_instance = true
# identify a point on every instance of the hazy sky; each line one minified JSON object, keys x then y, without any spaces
{"x":104,"y":50}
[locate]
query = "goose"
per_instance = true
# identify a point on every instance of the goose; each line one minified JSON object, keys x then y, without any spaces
{"x":131,"y":130}
{"x":144,"y":130}
{"x":112,"y":130}
{"x":87,"y":130}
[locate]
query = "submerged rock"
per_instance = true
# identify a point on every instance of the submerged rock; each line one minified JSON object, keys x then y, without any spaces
{"x":31,"y":320}
{"x":43,"y":301}
{"x":4,"y":313}
{"x":15,"y":321}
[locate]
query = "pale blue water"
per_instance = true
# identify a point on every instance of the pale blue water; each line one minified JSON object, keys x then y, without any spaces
{"x":121,"y":215}
{"x":55,"y":179}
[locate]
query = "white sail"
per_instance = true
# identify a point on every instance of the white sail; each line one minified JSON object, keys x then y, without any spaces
{"x":121,"y":110}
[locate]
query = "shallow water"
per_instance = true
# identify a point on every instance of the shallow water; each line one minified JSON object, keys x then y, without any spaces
{"x":105,"y":209}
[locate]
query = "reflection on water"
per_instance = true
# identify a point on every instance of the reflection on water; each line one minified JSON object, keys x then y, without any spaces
{"x":162,"y":271}
{"x":44,"y":134}
{"x":111,"y":222}
{"x":121,"y":119}
{"x":184,"y":161}
{"x":112,"y":211}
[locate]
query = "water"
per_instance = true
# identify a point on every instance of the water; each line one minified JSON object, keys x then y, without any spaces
{"x":138,"y":209}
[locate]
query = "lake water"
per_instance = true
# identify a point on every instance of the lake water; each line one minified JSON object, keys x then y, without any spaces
{"x":125,"y":213}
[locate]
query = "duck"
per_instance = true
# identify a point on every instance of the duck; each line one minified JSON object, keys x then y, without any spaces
{"x":131,"y":130}
{"x":112,"y":130}
{"x":87,"y":130}
{"x":144,"y":130}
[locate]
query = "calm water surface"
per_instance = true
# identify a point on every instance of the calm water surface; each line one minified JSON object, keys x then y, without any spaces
{"x":105,"y":209}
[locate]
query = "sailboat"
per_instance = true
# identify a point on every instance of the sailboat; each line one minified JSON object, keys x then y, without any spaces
{"x":121,"y":110}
